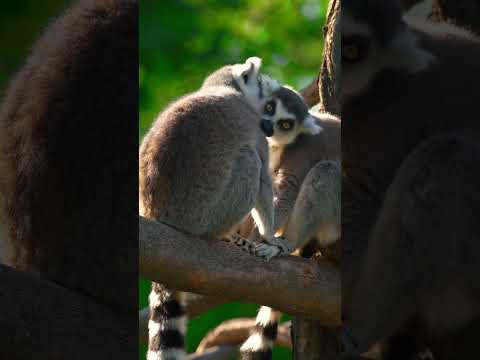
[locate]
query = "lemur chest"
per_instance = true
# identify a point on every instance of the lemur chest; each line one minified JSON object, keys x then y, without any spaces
{"x":275,"y":157}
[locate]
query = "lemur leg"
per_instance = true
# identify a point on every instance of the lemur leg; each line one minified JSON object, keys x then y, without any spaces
{"x":423,"y":251}
{"x":167,"y":325}
{"x":317,"y":209}
{"x":259,"y":345}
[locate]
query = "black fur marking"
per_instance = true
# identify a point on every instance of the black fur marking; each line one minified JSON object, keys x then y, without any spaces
{"x":269,"y":331}
{"x":168,"y":310}
{"x":257,"y":355}
{"x":167,"y":339}
{"x":260,"y":89}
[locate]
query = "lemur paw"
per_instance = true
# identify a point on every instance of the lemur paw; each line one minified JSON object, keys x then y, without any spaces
{"x":274,"y":247}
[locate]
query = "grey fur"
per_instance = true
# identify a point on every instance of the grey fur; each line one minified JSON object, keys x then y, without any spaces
{"x":307,"y":186}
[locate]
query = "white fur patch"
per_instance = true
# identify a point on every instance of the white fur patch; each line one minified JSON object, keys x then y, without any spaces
{"x":250,"y":89}
{"x":154,"y":299}
{"x":406,"y":54}
{"x":179,"y":324}
{"x":269,"y":85}
{"x":266,"y":315}
{"x":256,"y":342}
{"x":274,"y":157}
{"x":178,"y":354}
{"x":422,"y":10}
{"x":310,"y":126}
{"x":259,"y":221}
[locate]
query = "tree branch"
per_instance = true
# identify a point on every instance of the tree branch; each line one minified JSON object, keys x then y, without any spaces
{"x":236,"y":331}
{"x":310,"y":93}
{"x":216,"y":353}
{"x":59,"y":324}
{"x":289,"y":284}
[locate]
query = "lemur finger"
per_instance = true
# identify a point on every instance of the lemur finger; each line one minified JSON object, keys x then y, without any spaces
{"x":282,"y":243}
{"x":268,"y":251}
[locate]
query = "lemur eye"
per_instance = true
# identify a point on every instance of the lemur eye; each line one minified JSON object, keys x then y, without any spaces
{"x":355,"y":48}
{"x":285,"y":124}
{"x":270,"y":108}
{"x":351,"y":53}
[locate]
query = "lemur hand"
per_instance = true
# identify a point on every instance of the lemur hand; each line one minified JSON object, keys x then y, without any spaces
{"x":269,"y":249}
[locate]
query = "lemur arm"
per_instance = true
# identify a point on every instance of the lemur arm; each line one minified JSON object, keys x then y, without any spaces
{"x":288,"y":181}
{"x":263,"y":213}
{"x":286,"y":189}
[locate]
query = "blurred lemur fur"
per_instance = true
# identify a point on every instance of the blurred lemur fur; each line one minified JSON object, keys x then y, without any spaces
{"x":305,"y":167}
{"x":67,"y":170}
{"x":410,"y":198}
{"x":203,"y":169}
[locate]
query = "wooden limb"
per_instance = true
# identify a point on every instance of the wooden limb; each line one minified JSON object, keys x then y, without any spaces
{"x":289,"y":284}
{"x":329,"y":82}
{"x":236,"y":331}
{"x":43,"y":321}
{"x":194,"y":305}
{"x":310,"y":93}
{"x":216,"y":353}
{"x":313,"y":339}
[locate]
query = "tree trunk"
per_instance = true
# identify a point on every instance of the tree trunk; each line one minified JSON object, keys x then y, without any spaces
{"x":311,"y":340}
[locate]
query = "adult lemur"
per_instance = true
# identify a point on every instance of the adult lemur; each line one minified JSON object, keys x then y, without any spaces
{"x":68,"y":165}
{"x":305,"y":166}
{"x":410,"y":199}
{"x":203,"y":168}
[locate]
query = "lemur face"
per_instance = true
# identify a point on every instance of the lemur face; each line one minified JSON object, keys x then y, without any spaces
{"x":375,"y":38}
{"x":285,"y":115}
{"x":255,"y":86}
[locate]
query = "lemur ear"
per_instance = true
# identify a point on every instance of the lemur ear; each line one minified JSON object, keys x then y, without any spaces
{"x":310,"y":126}
{"x":248,"y":70}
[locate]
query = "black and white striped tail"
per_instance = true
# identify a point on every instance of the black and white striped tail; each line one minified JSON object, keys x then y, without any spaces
{"x":259,"y":345}
{"x":167,"y":325}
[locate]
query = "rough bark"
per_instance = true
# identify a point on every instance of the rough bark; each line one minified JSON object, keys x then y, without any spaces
{"x":312,"y":339}
{"x":236,"y":331}
{"x":330,"y":72}
{"x":299,"y":286}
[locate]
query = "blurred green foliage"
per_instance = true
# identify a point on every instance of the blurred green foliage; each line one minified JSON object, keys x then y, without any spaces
{"x":182,"y":41}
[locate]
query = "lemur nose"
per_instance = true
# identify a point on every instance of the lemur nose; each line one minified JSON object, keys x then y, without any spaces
{"x":267,"y":127}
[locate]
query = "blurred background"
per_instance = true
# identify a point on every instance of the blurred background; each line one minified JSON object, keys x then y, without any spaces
{"x":21,"y":22}
{"x":182,"y":41}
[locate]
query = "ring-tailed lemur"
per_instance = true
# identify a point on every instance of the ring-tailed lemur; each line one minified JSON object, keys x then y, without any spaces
{"x":305,"y":166}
